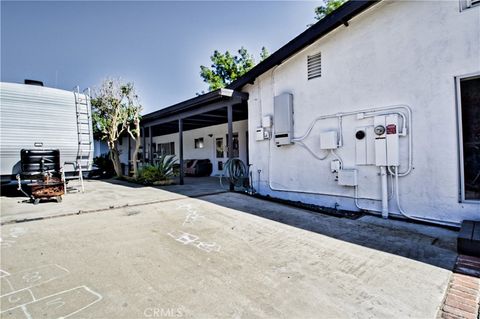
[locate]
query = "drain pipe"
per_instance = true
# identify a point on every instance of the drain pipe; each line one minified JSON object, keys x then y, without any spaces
{"x":383,"y":176}
{"x":259,"y":171}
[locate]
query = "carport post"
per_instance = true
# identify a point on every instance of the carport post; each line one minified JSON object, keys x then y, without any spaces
{"x":144,"y":147}
{"x":150,"y":153}
{"x":180,"y":145}
{"x":230,"y":136}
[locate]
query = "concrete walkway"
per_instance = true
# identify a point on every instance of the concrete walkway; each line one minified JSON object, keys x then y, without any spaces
{"x":102,"y":195}
{"x":198,"y":258}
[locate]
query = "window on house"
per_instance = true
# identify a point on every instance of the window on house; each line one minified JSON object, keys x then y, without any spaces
{"x":166,"y":149}
{"x":236,"y":148}
{"x":219,"y":147}
{"x":466,"y":4}
{"x":314,"y":66}
{"x":199,"y":142}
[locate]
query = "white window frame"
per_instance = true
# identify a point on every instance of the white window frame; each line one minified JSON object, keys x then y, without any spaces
{"x":460,"y":136}
{"x":199,"y":146}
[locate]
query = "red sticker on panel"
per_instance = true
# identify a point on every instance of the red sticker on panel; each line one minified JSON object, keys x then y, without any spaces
{"x":391,"y":129}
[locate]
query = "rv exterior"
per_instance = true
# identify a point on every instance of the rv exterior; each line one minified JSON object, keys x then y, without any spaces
{"x":37,"y":117}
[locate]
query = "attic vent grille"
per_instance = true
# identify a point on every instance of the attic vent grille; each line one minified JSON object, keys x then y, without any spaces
{"x":314,"y":66}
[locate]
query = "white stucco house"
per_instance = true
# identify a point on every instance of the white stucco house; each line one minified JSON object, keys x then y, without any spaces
{"x":376,"y":107}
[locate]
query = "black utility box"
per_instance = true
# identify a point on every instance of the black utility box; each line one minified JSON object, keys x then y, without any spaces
{"x":468,"y":241}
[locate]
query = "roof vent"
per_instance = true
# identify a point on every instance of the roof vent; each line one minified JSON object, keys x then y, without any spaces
{"x":314,"y":66}
{"x":33,"y":82}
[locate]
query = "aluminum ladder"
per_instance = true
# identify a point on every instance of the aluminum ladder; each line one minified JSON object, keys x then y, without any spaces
{"x":84,"y":131}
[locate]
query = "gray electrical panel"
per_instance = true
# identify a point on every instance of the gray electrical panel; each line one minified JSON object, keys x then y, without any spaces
{"x":283,"y":119}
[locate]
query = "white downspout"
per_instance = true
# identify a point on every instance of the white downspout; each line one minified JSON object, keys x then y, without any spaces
{"x":383,"y":176}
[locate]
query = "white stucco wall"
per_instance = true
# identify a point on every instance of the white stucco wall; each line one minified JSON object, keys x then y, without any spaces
{"x":189,"y":150}
{"x":405,"y":52}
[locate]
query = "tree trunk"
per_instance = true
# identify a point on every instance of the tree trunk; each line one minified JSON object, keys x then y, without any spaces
{"x":115,"y":157}
{"x":135,"y":156}
{"x":136,"y":138}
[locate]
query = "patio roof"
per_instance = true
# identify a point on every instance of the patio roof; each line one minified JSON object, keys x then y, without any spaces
{"x":201,"y":111}
{"x":216,"y":107}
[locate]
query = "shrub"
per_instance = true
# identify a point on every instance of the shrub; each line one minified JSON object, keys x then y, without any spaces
{"x":161,"y":171}
{"x":104,"y":166}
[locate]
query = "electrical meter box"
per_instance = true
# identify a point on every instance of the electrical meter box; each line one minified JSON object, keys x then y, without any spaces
{"x":392,"y":137}
{"x":380,"y":141}
{"x":283,"y":118}
{"x":328,"y":140}
{"x":259,"y":134}
{"x":347,"y":177}
{"x":364,"y":146}
{"x":386,"y":140}
{"x":267,"y":121}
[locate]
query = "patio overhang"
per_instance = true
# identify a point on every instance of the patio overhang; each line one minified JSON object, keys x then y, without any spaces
{"x":204,"y":110}
{"x":213,"y":108}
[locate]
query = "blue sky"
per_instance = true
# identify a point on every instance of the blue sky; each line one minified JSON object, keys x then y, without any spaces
{"x":157,"y":45}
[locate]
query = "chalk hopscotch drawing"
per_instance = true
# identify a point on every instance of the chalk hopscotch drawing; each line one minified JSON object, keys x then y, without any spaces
{"x":19,"y":301}
{"x":189,"y":239}
{"x":192,"y":214}
{"x":62,"y":304}
{"x":31,"y":277}
{"x":9,"y":240}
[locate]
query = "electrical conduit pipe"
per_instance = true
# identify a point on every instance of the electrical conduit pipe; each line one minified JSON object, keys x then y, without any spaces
{"x":383,"y":177}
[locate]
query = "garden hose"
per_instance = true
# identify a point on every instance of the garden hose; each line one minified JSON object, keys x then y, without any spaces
{"x":235,"y":171}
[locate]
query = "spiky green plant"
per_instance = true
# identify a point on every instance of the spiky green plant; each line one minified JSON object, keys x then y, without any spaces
{"x":165,"y":165}
{"x":161,"y":171}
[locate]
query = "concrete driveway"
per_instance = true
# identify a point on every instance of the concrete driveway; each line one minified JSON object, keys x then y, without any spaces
{"x":213,"y":257}
{"x":100,"y":195}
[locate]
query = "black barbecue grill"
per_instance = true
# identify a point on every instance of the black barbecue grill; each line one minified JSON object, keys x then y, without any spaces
{"x":41,"y":167}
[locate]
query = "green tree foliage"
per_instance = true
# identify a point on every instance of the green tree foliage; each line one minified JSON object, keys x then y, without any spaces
{"x":227,"y":67}
{"x":264,"y":54}
{"x":115,"y":109}
{"x":328,"y":7}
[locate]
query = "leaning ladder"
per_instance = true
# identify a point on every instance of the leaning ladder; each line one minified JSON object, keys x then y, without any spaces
{"x":84,"y":132}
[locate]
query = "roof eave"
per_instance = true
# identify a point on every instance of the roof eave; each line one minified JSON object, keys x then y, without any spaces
{"x":197,"y":101}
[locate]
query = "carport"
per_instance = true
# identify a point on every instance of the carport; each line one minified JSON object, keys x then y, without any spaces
{"x":216,"y":107}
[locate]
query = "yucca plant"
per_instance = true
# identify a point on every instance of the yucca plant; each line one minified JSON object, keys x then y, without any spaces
{"x":164,"y":166}
{"x":160,"y":172}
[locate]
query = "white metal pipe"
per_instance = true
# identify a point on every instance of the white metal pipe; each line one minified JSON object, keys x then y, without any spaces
{"x":338,"y":157}
{"x":340,"y":131}
{"x":340,"y":114}
{"x":423,"y":219}
{"x":372,"y":112}
{"x":383,"y":177}
{"x":321,"y":158}
{"x":357,"y":204}
{"x":292,"y":190}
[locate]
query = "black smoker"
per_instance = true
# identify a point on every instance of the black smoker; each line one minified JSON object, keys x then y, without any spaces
{"x":42,"y":168}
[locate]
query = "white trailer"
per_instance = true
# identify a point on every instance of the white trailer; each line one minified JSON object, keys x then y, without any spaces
{"x":37,"y":117}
